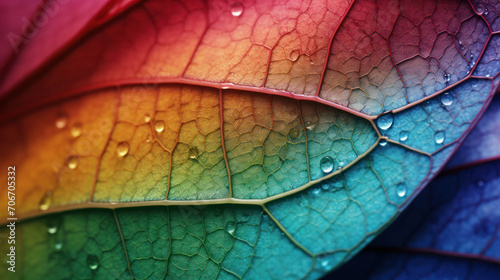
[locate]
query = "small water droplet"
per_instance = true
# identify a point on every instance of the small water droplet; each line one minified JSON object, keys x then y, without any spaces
{"x":237,"y":9}
{"x":52,"y":226}
{"x":439,"y":137}
{"x":316,"y":191}
{"x":341,"y":165}
{"x":446,"y":99}
{"x":193,"y":153}
{"x":325,"y":186}
{"x":92,"y":262}
{"x":294,"y":55}
{"x":159,"y":126}
{"x":311,"y":61}
{"x":447,"y":77}
{"x":403,"y":135}
{"x":76,"y":129}
{"x":401,"y":190}
{"x":326,"y":164}
{"x":245,"y":218}
{"x":72,"y":162}
{"x":294,"y":133}
{"x":149,"y":138}
{"x":58,"y":244}
{"x":147,"y":117}
{"x":310,"y":125}
{"x":486,"y":11}
{"x":382,"y":142}
{"x":45,"y":201}
{"x":122,"y":149}
{"x":325,"y":264}
{"x":61,"y":120}
{"x":230,"y":227}
{"x":385,"y":121}
{"x":480,"y":8}
{"x":480,"y":183}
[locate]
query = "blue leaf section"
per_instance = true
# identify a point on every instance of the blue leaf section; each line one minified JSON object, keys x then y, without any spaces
{"x":453,"y":224}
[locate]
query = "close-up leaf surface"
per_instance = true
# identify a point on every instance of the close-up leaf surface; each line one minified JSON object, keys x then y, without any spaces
{"x":233,"y":140}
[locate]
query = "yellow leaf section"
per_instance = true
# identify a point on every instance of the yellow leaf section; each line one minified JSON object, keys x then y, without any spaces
{"x":56,"y":151}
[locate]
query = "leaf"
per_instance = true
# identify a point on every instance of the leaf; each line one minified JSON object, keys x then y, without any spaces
{"x":450,"y":230}
{"x":248,"y":140}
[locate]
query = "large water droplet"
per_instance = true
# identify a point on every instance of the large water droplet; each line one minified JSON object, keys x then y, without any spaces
{"x":230,"y":227}
{"x":237,"y":9}
{"x":403,"y":135}
{"x":293,"y":133}
{"x":159,"y":126}
{"x":382,"y":142}
{"x":326,"y":164}
{"x":384,"y":122}
{"x":439,"y":137}
{"x":480,"y":8}
{"x":446,"y":99}
{"x":92,"y":262}
{"x":45,"y":201}
{"x":401,"y":190}
{"x":294,"y":55}
{"x":61,"y":120}
{"x":147,"y":117}
{"x":193,"y":153}
{"x":72,"y":162}
{"x":122,"y":149}
{"x":76,"y":129}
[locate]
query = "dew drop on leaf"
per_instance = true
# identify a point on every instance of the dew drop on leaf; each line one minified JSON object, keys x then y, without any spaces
{"x":72,"y":162}
{"x":45,"y":201}
{"x":382,"y":142}
{"x":193,"y":153}
{"x":237,"y":9}
{"x":447,"y":77}
{"x":159,"y":126}
{"x":147,"y":117}
{"x":403,"y":135}
{"x":92,"y":262}
{"x":230,"y":227}
{"x":401,"y":190}
{"x":385,"y":121}
{"x":61,"y":120}
{"x":294,"y":55}
{"x":325,"y":187}
{"x":326,"y":164}
{"x":439,"y":137}
{"x":446,"y":99}
{"x":58,"y":244}
{"x":480,"y":8}
{"x":310,"y":125}
{"x":122,"y":149}
{"x":76,"y":129}
{"x":52,"y":226}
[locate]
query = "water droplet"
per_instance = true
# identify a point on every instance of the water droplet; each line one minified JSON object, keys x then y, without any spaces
{"x":439,"y":137}
{"x":72,"y":162}
{"x":61,"y":120}
{"x":311,"y":61}
{"x":245,"y":218}
{"x":294,"y":55}
{"x":447,"y":77}
{"x":480,"y":8}
{"x":230,"y":227}
{"x":326,"y":164}
{"x":446,"y":99}
{"x":310,"y":125}
{"x":384,"y":122}
{"x":122,"y":149}
{"x":480,"y":183}
{"x":316,"y":191}
{"x":486,"y":11}
{"x":294,"y":133}
{"x":403,"y":135}
{"x":325,"y":186}
{"x":52,"y":226}
{"x":92,"y":262}
{"x":237,"y":9}
{"x":341,"y":165}
{"x":45,"y":201}
{"x":76,"y":129}
{"x":382,"y":142}
{"x":325,"y":264}
{"x":149,"y":138}
{"x":193,"y":153}
{"x":401,"y":190}
{"x":159,"y":126}
{"x":147,"y":117}
{"x":59,"y":244}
